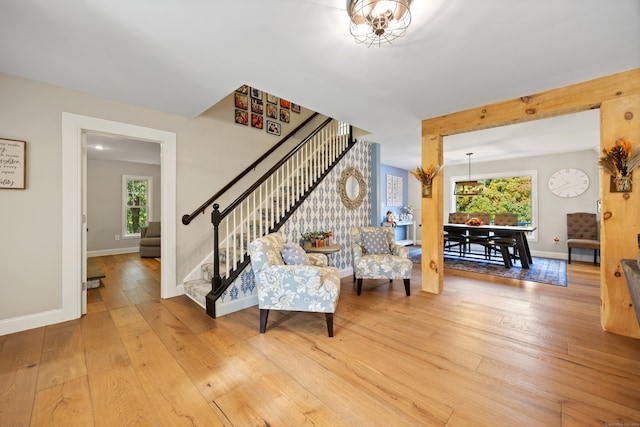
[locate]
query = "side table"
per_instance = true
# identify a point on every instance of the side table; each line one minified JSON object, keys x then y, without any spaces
{"x":327,"y":250}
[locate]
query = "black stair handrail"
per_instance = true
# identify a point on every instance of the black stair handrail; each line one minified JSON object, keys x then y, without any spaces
{"x":270,"y":172}
{"x":186,"y":219}
{"x":218,"y":284}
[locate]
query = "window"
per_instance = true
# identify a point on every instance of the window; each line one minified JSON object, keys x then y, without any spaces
{"x":514,"y":192}
{"x":136,"y":204}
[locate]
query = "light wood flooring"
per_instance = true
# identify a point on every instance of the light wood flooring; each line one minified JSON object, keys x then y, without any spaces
{"x":484,"y":352}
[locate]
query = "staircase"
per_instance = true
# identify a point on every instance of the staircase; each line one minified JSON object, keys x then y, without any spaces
{"x":263,"y":208}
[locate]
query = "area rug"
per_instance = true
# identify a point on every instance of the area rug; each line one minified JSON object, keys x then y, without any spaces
{"x":543,"y":270}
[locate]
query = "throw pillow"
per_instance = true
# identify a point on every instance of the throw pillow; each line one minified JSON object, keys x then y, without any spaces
{"x":293,"y":254}
{"x":375,"y":242}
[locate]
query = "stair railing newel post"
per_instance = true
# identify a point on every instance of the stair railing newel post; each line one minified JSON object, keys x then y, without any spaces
{"x":216,"y":280}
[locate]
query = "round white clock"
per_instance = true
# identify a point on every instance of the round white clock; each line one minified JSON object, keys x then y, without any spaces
{"x":568,"y":182}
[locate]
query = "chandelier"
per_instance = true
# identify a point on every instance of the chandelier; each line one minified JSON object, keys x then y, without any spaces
{"x":378,"y":21}
{"x":470,"y":187}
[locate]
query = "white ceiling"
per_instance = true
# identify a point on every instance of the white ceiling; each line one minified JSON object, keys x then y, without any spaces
{"x":183,"y":57}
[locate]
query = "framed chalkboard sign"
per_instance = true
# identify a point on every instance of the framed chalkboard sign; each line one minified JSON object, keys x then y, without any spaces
{"x":12,"y":164}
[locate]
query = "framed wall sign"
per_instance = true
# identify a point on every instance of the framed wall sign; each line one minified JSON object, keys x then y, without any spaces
{"x":13,"y":163}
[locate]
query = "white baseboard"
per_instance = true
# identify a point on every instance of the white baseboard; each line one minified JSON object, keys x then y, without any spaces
{"x":31,"y":321}
{"x":106,"y":252}
{"x":236,"y":305}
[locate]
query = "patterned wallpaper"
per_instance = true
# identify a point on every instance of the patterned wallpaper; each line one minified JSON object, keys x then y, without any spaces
{"x":322,"y":210}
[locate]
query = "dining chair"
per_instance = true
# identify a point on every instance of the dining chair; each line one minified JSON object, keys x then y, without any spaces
{"x":502,"y":241}
{"x":455,"y":238}
{"x":480,"y":236}
{"x":582,"y":233}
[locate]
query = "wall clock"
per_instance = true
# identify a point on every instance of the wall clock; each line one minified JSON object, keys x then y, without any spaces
{"x":568,"y":182}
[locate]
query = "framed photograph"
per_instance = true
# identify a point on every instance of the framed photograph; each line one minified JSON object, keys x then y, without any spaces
{"x":242,"y":101}
{"x":256,"y":93}
{"x":284,"y":115}
{"x":272,"y":99}
{"x":272,"y":111}
{"x":273,"y":128}
{"x":244,"y":89}
{"x":295,"y":108}
{"x":256,"y":106}
{"x":285,"y":104}
{"x":242,"y":117}
{"x":13,"y":171}
{"x":257,"y":121}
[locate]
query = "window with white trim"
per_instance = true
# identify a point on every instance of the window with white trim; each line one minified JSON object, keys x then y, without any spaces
{"x":136,"y":204}
{"x":515,"y":192}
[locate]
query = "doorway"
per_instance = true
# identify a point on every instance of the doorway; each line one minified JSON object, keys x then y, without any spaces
{"x":74,"y":129}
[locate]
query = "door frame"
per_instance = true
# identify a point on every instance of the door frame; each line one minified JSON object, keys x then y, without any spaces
{"x":74,"y":126}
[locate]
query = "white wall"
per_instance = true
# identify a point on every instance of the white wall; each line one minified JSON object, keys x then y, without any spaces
{"x":210,"y":149}
{"x":104,"y":202}
{"x":552,"y":209}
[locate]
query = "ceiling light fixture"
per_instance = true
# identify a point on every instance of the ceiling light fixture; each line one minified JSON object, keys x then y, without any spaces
{"x":378,"y":21}
{"x":469,"y":188}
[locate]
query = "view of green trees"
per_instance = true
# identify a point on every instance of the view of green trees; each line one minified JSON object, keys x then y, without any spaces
{"x":501,"y":195}
{"x":136,"y":205}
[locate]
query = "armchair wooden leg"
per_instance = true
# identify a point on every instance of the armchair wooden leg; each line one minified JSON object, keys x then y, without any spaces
{"x":407,"y":289}
{"x":264,"y":313}
{"x":329,"y":317}
{"x":358,"y":286}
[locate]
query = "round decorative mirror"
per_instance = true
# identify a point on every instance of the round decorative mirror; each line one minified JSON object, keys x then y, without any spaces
{"x":352,"y":188}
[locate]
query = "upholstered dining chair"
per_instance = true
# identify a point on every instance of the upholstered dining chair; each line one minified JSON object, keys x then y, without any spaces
{"x":289,"y":279}
{"x":455,"y":238}
{"x":375,"y":255}
{"x":502,"y":241}
{"x":480,"y":236}
{"x":582,"y":233}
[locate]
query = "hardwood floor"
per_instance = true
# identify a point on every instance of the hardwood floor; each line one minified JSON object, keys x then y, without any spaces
{"x":482,"y":352}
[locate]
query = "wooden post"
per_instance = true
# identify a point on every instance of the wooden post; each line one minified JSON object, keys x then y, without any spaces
{"x":432,"y":223}
{"x":620,"y":219}
{"x":618,"y":95}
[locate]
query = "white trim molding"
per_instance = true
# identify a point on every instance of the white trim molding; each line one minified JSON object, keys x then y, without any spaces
{"x":73,"y":128}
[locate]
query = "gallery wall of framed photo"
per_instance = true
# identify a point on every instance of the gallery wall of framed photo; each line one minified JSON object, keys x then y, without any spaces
{"x":261,"y":110}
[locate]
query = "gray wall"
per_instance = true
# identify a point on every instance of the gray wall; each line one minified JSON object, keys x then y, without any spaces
{"x":104,"y":203}
{"x":552,"y":209}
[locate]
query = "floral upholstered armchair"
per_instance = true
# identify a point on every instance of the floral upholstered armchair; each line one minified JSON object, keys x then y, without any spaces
{"x":287,"y":278}
{"x":374,"y":255}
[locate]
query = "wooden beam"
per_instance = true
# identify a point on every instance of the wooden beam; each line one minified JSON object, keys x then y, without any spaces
{"x":618,"y":96}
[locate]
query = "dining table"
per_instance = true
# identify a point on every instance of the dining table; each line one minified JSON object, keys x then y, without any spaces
{"x":518,"y":232}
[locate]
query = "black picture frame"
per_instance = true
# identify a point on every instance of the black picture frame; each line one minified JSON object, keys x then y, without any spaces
{"x":295,"y":108}
{"x":244,"y":89}
{"x":273,"y":128}
{"x":256,"y":106}
{"x":272,"y":111}
{"x":242,"y":117}
{"x":256,"y":93}
{"x":241,"y":101}
{"x":272,"y":99}
{"x":257,"y":121}
{"x":285,"y":115}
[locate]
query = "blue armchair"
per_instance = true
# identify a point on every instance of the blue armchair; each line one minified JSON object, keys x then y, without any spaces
{"x":308,"y":286}
{"x":374,"y":255}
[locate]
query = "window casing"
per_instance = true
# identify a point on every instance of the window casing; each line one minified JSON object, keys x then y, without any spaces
{"x":502,"y":203}
{"x":136,"y":204}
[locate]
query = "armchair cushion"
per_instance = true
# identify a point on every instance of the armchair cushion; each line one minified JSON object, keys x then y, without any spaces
{"x":293,"y":254}
{"x":375,"y":242}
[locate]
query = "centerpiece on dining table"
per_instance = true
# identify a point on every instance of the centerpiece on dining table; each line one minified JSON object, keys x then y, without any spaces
{"x":474,"y":221}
